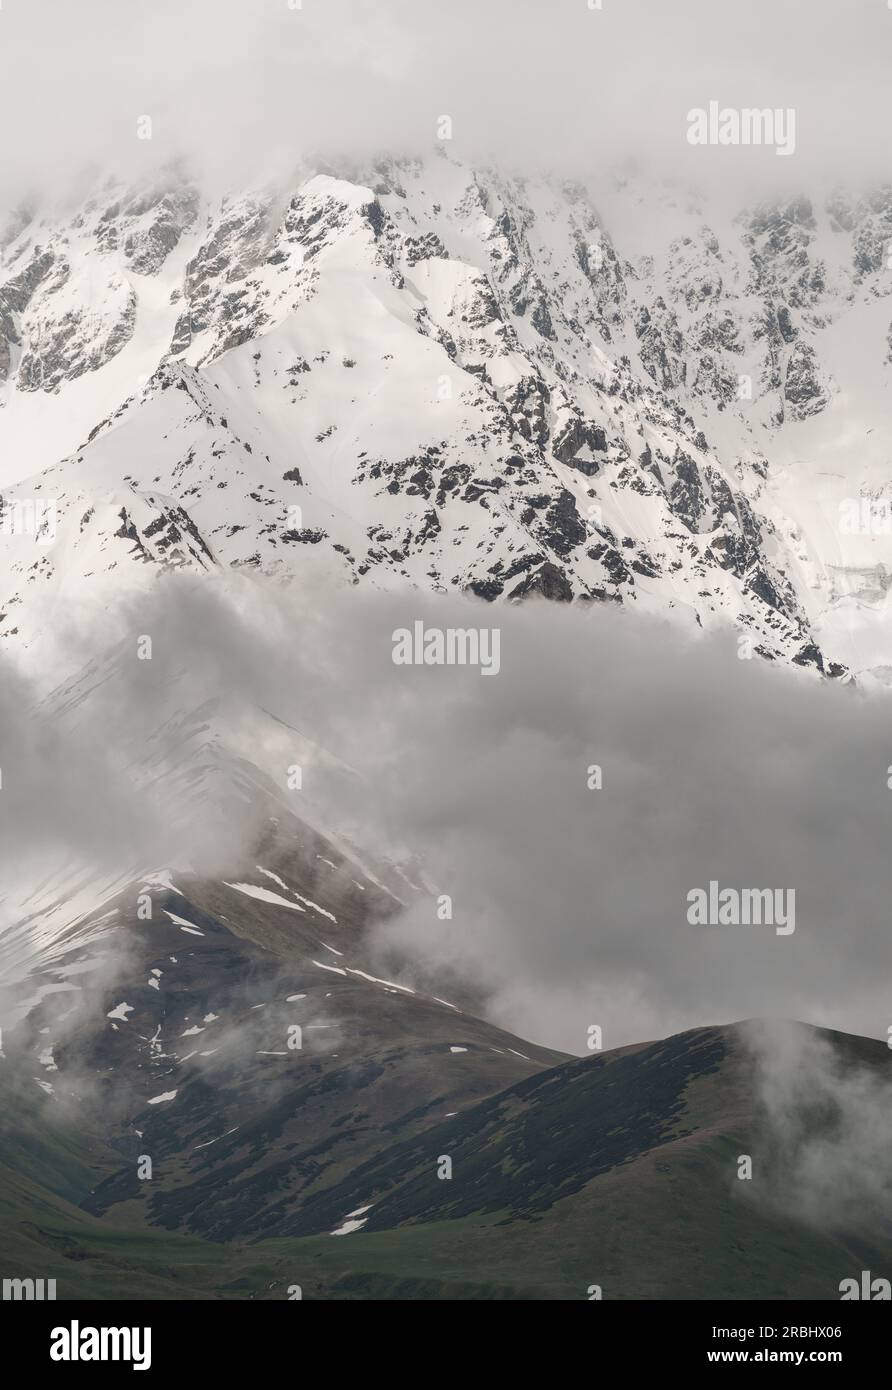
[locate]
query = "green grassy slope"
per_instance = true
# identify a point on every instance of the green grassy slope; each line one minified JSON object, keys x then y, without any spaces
{"x":617,"y":1171}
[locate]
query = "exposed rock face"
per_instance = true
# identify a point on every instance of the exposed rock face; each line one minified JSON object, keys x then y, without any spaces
{"x":803,"y":390}
{"x":429,"y":375}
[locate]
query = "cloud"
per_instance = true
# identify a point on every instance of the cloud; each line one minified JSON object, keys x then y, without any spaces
{"x":247,"y":86}
{"x":569,"y":904}
{"x":829,"y":1123}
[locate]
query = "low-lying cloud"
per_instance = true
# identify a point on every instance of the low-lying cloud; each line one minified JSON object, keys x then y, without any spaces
{"x":566,"y":806}
{"x":829,"y":1121}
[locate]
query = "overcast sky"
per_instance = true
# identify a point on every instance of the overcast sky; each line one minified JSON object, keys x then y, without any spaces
{"x":244,"y":86}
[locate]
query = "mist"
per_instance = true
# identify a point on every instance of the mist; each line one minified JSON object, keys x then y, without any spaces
{"x":246,"y":89}
{"x":568,"y":888}
{"x":830,"y":1123}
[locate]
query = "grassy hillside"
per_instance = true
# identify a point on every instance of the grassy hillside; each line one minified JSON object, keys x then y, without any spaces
{"x":617,"y":1171}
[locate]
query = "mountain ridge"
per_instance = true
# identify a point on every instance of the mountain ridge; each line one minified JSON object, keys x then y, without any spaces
{"x":449,"y":378}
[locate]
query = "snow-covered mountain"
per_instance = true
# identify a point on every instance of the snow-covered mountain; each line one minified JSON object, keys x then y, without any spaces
{"x":416,"y":377}
{"x":425,"y":374}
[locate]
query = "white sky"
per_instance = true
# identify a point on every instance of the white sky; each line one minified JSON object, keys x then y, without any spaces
{"x":240,"y":84}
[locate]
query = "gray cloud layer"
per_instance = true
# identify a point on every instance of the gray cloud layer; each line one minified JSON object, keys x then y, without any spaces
{"x":569,"y":904}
